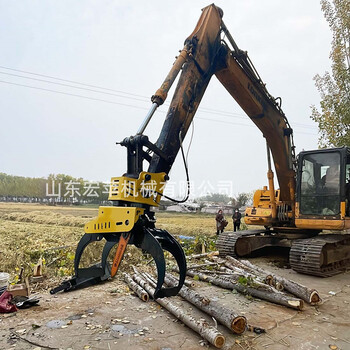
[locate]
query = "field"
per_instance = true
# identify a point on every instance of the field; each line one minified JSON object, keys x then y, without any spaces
{"x":109,"y":316}
{"x":29,"y":232}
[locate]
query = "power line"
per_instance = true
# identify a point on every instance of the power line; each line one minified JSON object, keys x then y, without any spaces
{"x":69,"y":81}
{"x":72,"y":86}
{"x":249,"y":125}
{"x":202,"y":109}
{"x":74,"y":95}
{"x":118,"y":103}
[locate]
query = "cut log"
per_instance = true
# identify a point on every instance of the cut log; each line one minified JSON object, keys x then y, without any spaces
{"x":230,"y":262}
{"x":247,"y":273}
{"x":199,"y":266}
{"x":198,"y":256}
{"x":209,"y":333}
{"x":225,"y":269}
{"x":190,"y":284}
{"x":215,"y":272}
{"x":225,"y":316}
{"x":255,"y":289}
{"x":311,"y":296}
{"x":139,"y":291}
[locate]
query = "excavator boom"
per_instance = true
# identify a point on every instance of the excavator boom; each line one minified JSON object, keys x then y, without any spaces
{"x":131,"y":219}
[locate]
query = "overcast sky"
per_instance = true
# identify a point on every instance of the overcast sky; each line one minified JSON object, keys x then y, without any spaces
{"x":127,"y":48}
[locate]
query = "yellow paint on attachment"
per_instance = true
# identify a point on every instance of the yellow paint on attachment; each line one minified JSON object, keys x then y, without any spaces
{"x":114,"y":219}
{"x":147,"y":189}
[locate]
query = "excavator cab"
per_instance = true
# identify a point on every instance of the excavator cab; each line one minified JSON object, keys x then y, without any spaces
{"x":323,"y":189}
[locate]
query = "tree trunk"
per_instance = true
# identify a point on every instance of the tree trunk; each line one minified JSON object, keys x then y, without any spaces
{"x":198,"y":266}
{"x":190,"y":284}
{"x":238,"y":264}
{"x":255,"y":289}
{"x":198,"y":256}
{"x":140,"y":292}
{"x":248,"y":273}
{"x":311,"y":296}
{"x":215,"y":272}
{"x":211,"y":334}
{"x":225,"y":316}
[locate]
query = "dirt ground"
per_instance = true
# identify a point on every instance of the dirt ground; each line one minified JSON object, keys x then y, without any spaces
{"x":108,"y":317}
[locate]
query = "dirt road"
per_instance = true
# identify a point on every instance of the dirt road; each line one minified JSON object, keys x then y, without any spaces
{"x":109,"y":317}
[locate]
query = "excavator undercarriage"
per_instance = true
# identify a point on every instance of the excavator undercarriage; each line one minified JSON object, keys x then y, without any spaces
{"x":310,"y":253}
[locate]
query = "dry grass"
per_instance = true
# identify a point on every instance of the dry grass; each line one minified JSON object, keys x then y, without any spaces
{"x":187,"y":224}
{"x":30,"y":231}
{"x":46,"y":218}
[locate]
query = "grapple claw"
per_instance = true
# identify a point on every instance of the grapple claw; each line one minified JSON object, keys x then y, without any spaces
{"x":84,"y":277}
{"x":153,"y":242}
{"x":150,"y":239}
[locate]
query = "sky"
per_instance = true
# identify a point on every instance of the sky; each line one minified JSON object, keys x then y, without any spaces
{"x":77,"y":76}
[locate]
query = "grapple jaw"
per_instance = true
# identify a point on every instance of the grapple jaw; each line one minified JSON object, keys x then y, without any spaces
{"x":154,"y":241}
{"x":144,"y":236}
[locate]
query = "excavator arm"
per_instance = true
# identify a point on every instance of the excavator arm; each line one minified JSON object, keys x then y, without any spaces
{"x":131,"y":220}
{"x":207,"y":54}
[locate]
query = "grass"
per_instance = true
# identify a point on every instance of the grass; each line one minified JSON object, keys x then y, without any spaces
{"x":30,"y":231}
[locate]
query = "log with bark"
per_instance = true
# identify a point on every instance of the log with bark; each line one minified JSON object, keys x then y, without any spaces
{"x":248,"y":273}
{"x":225,"y":270}
{"x":199,"y":266}
{"x":225,"y":316}
{"x":190,"y":284}
{"x":311,"y":296}
{"x":216,"y":272}
{"x":255,"y":289}
{"x":235,"y":264}
{"x":198,"y":256}
{"x":139,"y":291}
{"x":209,"y":333}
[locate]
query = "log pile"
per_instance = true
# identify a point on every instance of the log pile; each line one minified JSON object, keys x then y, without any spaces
{"x":311,"y":296}
{"x":230,"y":273}
{"x":250,"y":279}
{"x":209,"y":333}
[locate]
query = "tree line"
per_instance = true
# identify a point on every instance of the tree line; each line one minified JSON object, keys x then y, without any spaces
{"x":54,"y":188}
{"x":61,"y":188}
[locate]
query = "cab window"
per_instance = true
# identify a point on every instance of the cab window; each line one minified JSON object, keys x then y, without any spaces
{"x":320,"y":184}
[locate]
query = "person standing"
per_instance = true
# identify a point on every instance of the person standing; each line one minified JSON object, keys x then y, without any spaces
{"x":236,"y":217}
{"x":220,"y":222}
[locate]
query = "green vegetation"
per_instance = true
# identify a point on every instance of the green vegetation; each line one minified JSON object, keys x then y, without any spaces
{"x":334,"y":117}
{"x":66,"y":187}
{"x":240,"y":200}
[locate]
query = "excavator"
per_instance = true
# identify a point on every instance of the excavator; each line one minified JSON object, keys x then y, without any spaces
{"x":313,"y":187}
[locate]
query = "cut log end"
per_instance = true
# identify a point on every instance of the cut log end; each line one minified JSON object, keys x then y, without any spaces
{"x":269,"y":280}
{"x":145,"y":297}
{"x":239,"y":324}
{"x":219,"y":341}
{"x":315,"y":298}
{"x":279,"y":286}
{"x":297,"y":304}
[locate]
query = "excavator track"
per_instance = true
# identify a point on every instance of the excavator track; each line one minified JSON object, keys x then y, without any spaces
{"x":323,"y":255}
{"x":226,"y":242}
